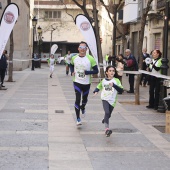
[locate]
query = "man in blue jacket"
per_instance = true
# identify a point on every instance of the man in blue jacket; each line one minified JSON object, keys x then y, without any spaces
{"x":131,"y":66}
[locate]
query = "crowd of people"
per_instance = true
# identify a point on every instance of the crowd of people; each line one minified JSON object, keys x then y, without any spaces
{"x":83,"y":65}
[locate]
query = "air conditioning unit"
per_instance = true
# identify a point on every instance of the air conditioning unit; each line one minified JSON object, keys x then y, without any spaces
{"x":152,"y":12}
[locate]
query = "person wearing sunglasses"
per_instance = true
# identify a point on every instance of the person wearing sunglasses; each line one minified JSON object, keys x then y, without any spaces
{"x":82,"y":66}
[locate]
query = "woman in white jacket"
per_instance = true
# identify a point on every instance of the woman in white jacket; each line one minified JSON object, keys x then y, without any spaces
{"x":120,"y":66}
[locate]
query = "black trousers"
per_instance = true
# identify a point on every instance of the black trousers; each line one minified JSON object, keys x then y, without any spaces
{"x":81,"y":90}
{"x":67,"y":68}
{"x":2,"y":75}
{"x":144,"y":78}
{"x":131,"y":82}
{"x":154,"y":91}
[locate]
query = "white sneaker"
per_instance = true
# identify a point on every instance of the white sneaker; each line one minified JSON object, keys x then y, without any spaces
{"x":79,"y":122}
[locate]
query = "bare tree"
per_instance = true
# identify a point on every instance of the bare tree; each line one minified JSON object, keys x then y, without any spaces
{"x":110,"y":8}
{"x":96,"y":28}
{"x":140,"y":46}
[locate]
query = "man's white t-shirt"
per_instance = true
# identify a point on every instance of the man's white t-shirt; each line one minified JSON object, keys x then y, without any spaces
{"x":82,"y":64}
{"x":68,"y":58}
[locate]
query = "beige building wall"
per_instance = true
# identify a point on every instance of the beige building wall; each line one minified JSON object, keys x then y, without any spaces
{"x":21,"y":31}
{"x":106,"y":32}
{"x":66,"y":30}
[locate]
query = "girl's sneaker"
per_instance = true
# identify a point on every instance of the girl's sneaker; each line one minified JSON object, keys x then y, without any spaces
{"x":108,"y":133}
{"x":79,"y":122}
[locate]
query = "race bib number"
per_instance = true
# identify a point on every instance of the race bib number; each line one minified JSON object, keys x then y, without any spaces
{"x":81,"y":75}
{"x":108,"y":89}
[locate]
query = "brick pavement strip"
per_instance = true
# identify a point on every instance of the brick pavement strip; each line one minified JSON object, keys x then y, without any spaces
{"x":66,"y":154}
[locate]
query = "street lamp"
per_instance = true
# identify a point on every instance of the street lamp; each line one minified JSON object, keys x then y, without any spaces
{"x":39,"y":30}
{"x":52,"y":29}
{"x":164,"y":67}
{"x":115,"y":3}
{"x":34,"y":23}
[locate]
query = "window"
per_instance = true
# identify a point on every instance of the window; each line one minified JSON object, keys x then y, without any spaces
{"x":53,"y":14}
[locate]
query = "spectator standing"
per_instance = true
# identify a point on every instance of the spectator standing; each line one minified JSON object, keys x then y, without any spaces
{"x":110,"y":60}
{"x":106,"y":59}
{"x":131,"y":65}
{"x":68,"y":60}
{"x":154,"y":88}
{"x":3,"y":66}
{"x":144,"y":77}
{"x":120,"y":66}
{"x":82,"y":67}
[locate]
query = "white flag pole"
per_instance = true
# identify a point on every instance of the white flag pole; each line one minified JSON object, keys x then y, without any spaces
{"x":7,"y":22}
{"x":87,"y":31}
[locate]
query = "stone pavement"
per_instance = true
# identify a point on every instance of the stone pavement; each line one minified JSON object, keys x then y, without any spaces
{"x":38,"y":130}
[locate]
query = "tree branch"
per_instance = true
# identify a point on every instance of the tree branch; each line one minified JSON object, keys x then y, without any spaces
{"x":66,"y":10}
{"x":106,"y":7}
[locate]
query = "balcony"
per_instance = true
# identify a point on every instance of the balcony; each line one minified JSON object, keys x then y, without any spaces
{"x":130,"y":12}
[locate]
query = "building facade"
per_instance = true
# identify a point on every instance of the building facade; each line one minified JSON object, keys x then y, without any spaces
{"x":56,"y":18}
{"x":153,"y":35}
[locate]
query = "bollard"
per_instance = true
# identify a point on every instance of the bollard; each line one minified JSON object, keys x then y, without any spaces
{"x":167,"y":106}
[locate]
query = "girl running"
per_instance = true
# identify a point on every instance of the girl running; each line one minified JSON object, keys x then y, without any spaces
{"x":51,"y":63}
{"x":109,"y":86}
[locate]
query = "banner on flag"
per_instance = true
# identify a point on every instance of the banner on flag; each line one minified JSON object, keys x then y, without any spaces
{"x":7,"y":22}
{"x":87,"y":31}
{"x":54,"y":48}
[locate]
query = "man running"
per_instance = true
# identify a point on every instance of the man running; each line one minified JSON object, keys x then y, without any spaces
{"x":82,"y":66}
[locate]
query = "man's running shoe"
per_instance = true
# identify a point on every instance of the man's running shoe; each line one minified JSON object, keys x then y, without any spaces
{"x":79,"y":122}
{"x":83,"y":111}
{"x":103,"y":121}
{"x":108,"y":133}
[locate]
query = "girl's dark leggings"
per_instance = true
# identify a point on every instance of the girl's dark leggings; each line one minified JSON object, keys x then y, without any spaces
{"x":81,"y":90}
{"x":108,"y":111}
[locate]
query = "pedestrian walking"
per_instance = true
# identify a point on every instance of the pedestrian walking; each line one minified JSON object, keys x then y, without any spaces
{"x":109,"y":86}
{"x":3,"y":67}
{"x":82,"y":67}
{"x":68,"y":60}
{"x":110,"y":60}
{"x":51,"y":63}
{"x":144,"y":77}
{"x":107,"y":59}
{"x":154,"y":88}
{"x":131,"y":65}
